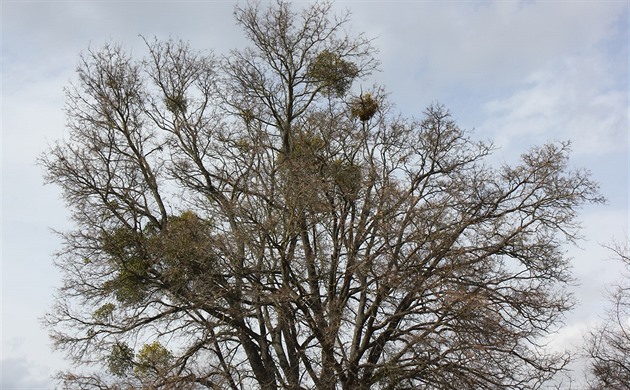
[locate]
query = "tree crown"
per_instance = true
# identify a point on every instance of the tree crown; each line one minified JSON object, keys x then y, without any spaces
{"x":252,"y":222}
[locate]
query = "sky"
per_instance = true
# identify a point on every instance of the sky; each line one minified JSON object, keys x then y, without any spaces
{"x":520,"y":73}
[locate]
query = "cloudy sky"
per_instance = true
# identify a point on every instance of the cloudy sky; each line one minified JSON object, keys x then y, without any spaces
{"x":519,"y":72}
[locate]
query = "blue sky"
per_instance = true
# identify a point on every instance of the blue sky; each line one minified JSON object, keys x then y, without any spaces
{"x":520,"y":72}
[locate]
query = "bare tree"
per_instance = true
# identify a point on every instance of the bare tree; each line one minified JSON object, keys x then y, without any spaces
{"x":250,"y":222}
{"x":608,"y":346}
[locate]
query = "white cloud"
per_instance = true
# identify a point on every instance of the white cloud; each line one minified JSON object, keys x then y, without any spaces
{"x":488,"y":42}
{"x":574,"y":99}
{"x":22,"y":374}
